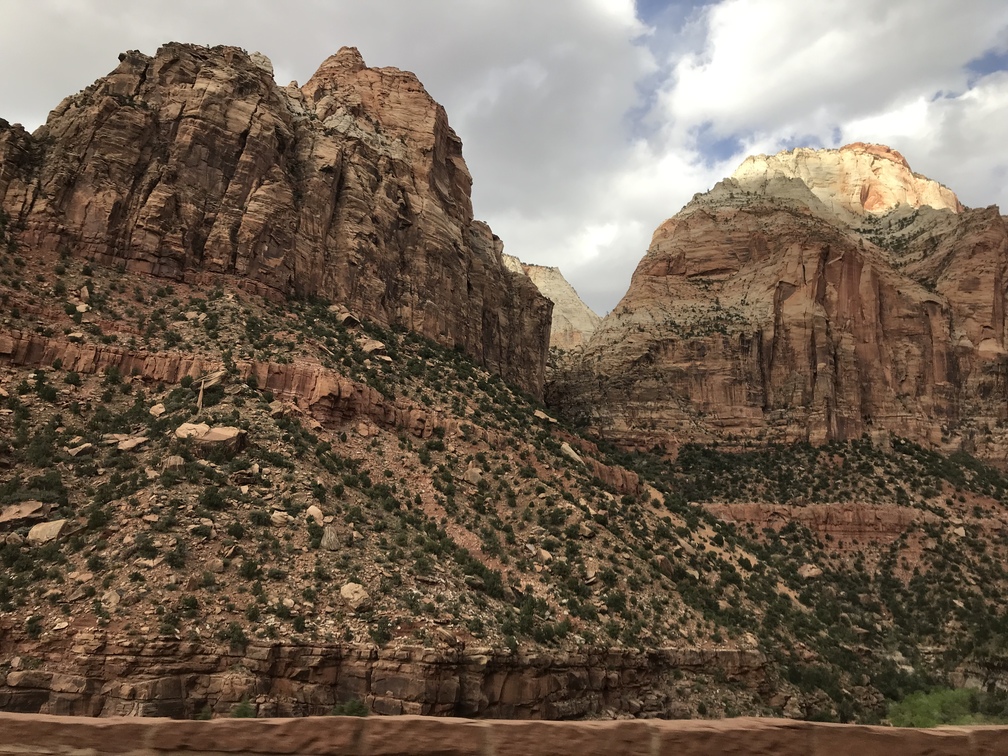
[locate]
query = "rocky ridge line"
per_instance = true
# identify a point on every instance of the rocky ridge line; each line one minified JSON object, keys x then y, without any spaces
{"x":762,"y":314}
{"x":573,"y":321}
{"x":193,"y":164}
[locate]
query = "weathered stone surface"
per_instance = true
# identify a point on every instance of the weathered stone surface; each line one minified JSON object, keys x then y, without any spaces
{"x":760,"y":312}
{"x":45,"y":532}
{"x":355,"y":596}
{"x":809,"y":571}
{"x":192,"y":430}
{"x":168,"y":677}
{"x":568,"y":451}
{"x":132,"y":443}
{"x":573,"y":320}
{"x":17,"y":514}
{"x":331,"y":540}
{"x":194,"y":163}
{"x":856,"y":179}
{"x":418,"y":736}
{"x":174,"y":462}
{"x":218,"y":438}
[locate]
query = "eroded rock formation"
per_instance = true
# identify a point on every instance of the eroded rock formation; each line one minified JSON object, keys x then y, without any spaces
{"x":193,"y":164}
{"x":98,"y":674}
{"x":777,"y":310}
{"x":573,"y":321}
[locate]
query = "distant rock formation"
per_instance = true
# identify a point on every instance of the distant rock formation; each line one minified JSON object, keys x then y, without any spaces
{"x":193,"y":164}
{"x":856,"y":179}
{"x":814,"y":295}
{"x":573,"y":320}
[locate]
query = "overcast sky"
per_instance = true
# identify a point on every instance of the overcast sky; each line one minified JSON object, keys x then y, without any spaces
{"x":586,"y":123}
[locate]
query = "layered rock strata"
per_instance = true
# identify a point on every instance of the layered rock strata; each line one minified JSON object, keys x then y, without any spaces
{"x":95,"y":674}
{"x":760,"y":312}
{"x":193,"y":164}
{"x":313,"y":391}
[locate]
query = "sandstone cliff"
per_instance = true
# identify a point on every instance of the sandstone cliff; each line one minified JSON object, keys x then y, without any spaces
{"x":101,"y":675}
{"x":193,"y":164}
{"x":810,"y":298}
{"x":573,"y":320}
{"x":856,"y":179}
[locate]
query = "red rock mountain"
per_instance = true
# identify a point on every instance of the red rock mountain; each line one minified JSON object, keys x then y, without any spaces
{"x":193,"y":164}
{"x":815,"y":295}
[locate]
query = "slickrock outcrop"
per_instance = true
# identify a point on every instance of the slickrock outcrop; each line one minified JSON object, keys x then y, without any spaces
{"x":96,"y":674}
{"x":193,"y":164}
{"x":573,"y":321}
{"x":760,"y":312}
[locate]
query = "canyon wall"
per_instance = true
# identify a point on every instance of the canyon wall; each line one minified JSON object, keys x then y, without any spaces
{"x":194,"y":165}
{"x":763,"y":312}
{"x":94,"y":673}
{"x":573,"y":321}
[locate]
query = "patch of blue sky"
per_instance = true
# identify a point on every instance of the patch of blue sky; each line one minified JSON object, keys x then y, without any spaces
{"x":675,"y":30}
{"x":714,"y":147}
{"x":991,"y":61}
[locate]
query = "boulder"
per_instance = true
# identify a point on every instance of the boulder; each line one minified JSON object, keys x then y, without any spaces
{"x":355,"y":597}
{"x":568,"y":451}
{"x":808,"y":571}
{"x":540,"y":415}
{"x":46,"y":532}
{"x":173,"y":462}
{"x":331,"y":539}
{"x":192,"y":430}
{"x":664,"y":565}
{"x":75,"y":451}
{"x":130,"y":444}
{"x":221,"y":438}
{"x":17,"y":514}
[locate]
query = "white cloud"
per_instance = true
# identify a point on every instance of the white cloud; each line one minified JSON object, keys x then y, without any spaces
{"x":773,"y":62}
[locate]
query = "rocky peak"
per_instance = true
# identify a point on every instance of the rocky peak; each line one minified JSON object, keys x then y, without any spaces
{"x":193,"y":163}
{"x":573,"y":320}
{"x":815,"y":295}
{"x":391,"y":107}
{"x":852,"y":181}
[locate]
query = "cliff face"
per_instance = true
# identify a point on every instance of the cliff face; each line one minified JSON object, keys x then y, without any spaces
{"x":100,"y":675}
{"x":194,"y":164}
{"x":573,"y":321}
{"x":773,"y":309}
{"x":854,"y":180}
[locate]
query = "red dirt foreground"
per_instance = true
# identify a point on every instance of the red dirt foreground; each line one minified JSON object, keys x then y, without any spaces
{"x":424,"y":736}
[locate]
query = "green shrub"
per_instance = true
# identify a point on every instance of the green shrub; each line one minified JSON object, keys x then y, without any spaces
{"x":244,"y":710}
{"x":352,"y":707}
